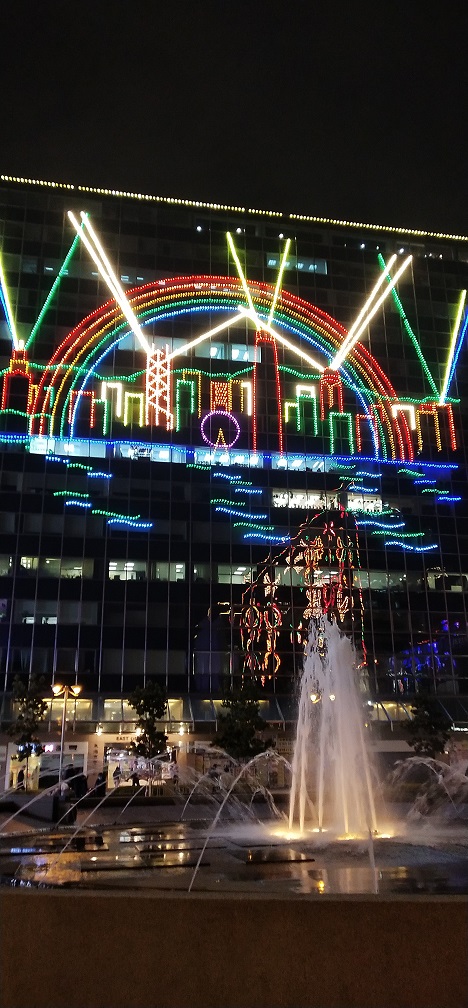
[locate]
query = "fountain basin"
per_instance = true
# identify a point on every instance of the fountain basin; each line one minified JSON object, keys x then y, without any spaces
{"x":209,"y":950}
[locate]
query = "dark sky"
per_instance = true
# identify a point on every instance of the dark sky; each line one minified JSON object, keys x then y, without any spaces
{"x":348,"y":110}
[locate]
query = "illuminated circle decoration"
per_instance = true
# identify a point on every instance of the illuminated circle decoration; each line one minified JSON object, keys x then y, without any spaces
{"x":309,"y":332}
{"x":225,"y":418}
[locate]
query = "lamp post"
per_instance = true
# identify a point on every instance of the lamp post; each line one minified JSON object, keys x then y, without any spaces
{"x":58,"y":690}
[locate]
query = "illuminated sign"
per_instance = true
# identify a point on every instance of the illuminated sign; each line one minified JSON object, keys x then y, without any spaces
{"x":324,"y":385}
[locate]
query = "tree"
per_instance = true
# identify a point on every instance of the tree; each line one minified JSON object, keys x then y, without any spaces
{"x":429,"y":729}
{"x":150,"y":704}
{"x":31,"y":711}
{"x":239,"y":728}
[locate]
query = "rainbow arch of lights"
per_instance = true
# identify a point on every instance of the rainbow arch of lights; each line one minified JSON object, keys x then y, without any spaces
{"x":63,"y":382}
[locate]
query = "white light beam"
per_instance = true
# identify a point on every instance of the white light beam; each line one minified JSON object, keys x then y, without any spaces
{"x":105,"y":269}
{"x":348,"y":344}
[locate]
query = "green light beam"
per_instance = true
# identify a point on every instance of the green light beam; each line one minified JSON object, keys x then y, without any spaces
{"x":53,"y":290}
{"x":409,"y":330}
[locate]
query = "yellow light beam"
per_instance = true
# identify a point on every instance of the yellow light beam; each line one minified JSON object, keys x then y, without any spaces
{"x":122,"y":300}
{"x":290,"y":346}
{"x":348,"y":345}
{"x":105,"y":269}
{"x":366,"y":306}
{"x":456,"y":329}
{"x":242,"y":314}
{"x":279,"y":279}
{"x":6,"y":300}
{"x":242,"y":278}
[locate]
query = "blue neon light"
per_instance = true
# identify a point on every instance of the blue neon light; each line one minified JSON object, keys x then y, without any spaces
{"x":456,"y":355}
{"x":370,"y":474}
{"x":101,"y":475}
{"x":127,"y":523}
{"x":247,"y":490}
{"x":222,"y":475}
{"x":77,"y":503}
{"x":411,"y":549}
{"x":360,"y":489}
{"x":447,"y":500}
{"x":382,"y":525}
{"x":241,"y":514}
{"x":419,"y":482}
{"x":266,"y":538}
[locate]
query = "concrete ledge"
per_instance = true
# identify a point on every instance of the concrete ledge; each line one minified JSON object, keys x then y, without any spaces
{"x":145,"y":950}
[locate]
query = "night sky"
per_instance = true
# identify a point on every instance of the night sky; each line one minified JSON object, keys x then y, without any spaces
{"x":346,"y":110}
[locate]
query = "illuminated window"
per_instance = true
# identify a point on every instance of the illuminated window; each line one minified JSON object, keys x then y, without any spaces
{"x":127,"y":570}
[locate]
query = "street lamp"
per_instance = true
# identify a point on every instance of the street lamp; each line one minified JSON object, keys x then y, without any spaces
{"x":58,"y":690}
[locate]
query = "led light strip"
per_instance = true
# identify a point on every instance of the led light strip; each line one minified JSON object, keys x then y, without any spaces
{"x":7,"y":306}
{"x":455,"y":334}
{"x":105,"y":269}
{"x":62,"y":271}
{"x":278,"y":281}
{"x":409,"y":330}
{"x":357,"y":331}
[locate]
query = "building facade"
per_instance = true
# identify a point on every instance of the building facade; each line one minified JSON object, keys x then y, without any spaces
{"x":214,"y":419}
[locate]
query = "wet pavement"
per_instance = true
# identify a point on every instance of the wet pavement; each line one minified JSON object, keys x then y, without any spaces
{"x":155,"y":853}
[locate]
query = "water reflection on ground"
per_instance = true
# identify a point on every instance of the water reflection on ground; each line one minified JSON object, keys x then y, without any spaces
{"x":164,"y":856}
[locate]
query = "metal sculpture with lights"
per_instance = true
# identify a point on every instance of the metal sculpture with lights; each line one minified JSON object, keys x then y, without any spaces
{"x":320,"y":559}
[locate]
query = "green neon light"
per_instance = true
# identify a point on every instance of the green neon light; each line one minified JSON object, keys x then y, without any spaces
{"x":401,"y":535}
{"x":68,"y":493}
{"x":179,"y":383}
{"x":411,"y":472}
{"x":112,"y":514}
{"x":254,"y":525}
{"x":340,"y":416}
{"x":408,"y":328}
{"x":301,"y":400}
{"x":53,"y":291}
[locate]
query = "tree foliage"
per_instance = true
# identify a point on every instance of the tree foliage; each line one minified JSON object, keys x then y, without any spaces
{"x":240,"y":727}
{"x":430,"y":729}
{"x":150,"y":704}
{"x":32,"y":709}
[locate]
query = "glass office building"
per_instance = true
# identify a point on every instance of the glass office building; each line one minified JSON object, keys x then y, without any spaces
{"x":188,"y":388}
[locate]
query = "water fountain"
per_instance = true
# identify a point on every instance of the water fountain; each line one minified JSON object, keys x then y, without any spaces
{"x":332,"y":780}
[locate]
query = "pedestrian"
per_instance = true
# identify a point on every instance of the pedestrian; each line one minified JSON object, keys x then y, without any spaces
{"x":100,"y":785}
{"x":117,"y":776}
{"x":135,"y":779}
{"x":20,"y":780}
{"x":81,"y":785}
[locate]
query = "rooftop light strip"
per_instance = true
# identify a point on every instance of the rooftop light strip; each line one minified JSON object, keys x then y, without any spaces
{"x":178,"y":201}
{"x":7,"y":306}
{"x":105,"y":269}
{"x":458,"y":336}
{"x":62,"y":271}
{"x":279,"y":279}
{"x":357,"y":332}
{"x":409,"y":330}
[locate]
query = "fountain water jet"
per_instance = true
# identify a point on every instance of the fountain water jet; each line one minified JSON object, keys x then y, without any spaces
{"x":331,"y":786}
